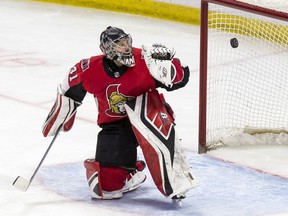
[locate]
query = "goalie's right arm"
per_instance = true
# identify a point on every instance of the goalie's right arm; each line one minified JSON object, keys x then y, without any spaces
{"x":70,"y":94}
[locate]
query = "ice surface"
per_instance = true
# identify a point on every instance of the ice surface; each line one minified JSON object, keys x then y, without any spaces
{"x":39,"y":43}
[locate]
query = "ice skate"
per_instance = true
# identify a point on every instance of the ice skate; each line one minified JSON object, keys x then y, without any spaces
{"x":135,"y":179}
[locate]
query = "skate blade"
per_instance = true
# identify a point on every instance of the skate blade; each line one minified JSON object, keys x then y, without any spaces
{"x":177,"y":202}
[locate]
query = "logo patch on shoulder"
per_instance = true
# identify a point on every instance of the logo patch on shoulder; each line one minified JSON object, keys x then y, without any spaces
{"x":85,"y":64}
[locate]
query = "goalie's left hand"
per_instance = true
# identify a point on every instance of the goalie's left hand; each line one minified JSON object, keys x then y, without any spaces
{"x":158,"y":59}
{"x":160,"y":52}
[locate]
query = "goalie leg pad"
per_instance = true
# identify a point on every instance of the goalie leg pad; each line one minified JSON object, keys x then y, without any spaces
{"x":105,"y":182}
{"x":168,"y":107}
{"x":92,"y":175}
{"x":155,"y":132}
{"x":113,"y":178}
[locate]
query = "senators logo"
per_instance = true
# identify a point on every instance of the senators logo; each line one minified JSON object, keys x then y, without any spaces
{"x":116,"y":101}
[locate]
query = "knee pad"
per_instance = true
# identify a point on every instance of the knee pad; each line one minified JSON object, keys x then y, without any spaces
{"x":105,"y":182}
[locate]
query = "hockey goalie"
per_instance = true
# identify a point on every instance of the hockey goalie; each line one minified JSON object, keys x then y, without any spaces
{"x":123,"y":81}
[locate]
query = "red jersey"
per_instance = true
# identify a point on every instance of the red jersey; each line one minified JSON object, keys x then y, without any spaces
{"x":111,"y":93}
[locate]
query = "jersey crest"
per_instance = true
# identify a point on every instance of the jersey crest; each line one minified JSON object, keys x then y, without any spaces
{"x":116,"y":101}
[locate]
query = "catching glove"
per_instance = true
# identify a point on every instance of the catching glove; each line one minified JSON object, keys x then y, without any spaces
{"x":158,"y":59}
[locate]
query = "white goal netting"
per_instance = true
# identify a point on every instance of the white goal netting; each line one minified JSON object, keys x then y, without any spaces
{"x":247,"y":83}
{"x":279,"y":5}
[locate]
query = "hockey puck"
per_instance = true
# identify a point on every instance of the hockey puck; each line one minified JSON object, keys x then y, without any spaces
{"x":234,"y":43}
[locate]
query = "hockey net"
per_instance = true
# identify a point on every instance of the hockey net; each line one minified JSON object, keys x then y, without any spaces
{"x":243,"y":73}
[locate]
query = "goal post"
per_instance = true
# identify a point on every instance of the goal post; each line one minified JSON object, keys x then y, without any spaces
{"x":243,"y":73}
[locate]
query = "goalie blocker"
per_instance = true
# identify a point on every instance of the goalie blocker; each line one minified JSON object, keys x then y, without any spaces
{"x":62,"y":112}
{"x":155,"y":132}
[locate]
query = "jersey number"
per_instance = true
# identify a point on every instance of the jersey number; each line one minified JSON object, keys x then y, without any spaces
{"x":72,"y":74}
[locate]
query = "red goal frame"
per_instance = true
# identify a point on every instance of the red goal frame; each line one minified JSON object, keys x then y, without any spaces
{"x":204,"y":52}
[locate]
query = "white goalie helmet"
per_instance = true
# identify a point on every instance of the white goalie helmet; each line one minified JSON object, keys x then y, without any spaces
{"x":117,"y":45}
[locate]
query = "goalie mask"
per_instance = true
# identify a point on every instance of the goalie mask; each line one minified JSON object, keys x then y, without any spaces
{"x":117,"y":45}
